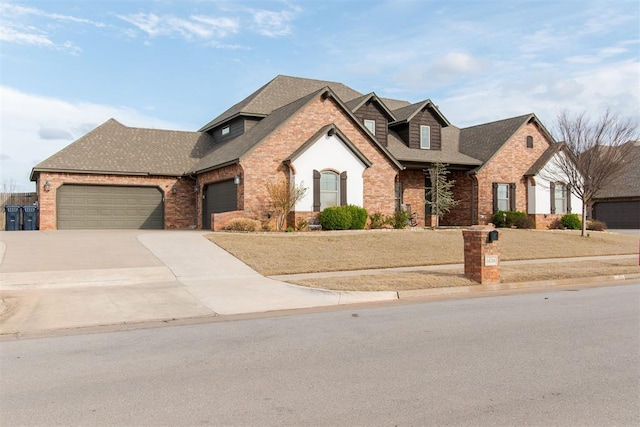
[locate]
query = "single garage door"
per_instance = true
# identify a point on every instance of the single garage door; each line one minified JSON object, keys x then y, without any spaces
{"x":109,"y":207}
{"x":218,"y":197}
{"x":618,"y":214}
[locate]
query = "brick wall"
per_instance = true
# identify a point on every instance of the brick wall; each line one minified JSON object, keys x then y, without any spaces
{"x":461,"y":213}
{"x":179,"y":207}
{"x":509,"y":165}
{"x":211,"y":177}
{"x":264,"y":163}
{"x":413,"y":193}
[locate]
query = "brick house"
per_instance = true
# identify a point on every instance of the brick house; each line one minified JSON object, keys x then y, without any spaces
{"x":345,"y":146}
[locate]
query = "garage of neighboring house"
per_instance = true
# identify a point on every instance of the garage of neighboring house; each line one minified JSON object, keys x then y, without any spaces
{"x":109,"y":207}
{"x":218,"y":197}
{"x":618,"y":214}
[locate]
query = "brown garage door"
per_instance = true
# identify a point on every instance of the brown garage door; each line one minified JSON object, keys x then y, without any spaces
{"x":618,"y":214}
{"x":109,"y":207}
{"x":218,"y":197}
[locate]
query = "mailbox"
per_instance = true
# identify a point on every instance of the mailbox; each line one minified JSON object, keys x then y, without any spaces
{"x":492,"y":236}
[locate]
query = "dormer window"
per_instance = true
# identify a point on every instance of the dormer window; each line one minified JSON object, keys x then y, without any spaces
{"x":425,"y":137}
{"x":225,"y":130}
{"x":371,"y":125}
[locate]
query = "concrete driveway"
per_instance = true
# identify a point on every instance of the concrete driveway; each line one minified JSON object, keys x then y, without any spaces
{"x":67,"y":279}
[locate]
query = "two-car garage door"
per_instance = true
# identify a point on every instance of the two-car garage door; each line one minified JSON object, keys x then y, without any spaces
{"x":109,"y":207}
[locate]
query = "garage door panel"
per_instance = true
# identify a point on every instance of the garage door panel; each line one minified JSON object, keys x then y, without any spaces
{"x":219,"y":197}
{"x":109,"y":207}
{"x":621,"y":214}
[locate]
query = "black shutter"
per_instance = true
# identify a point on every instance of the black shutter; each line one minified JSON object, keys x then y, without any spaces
{"x":316,"y":191}
{"x":568,"y":198}
{"x":512,"y":196}
{"x":552,"y":190}
{"x":495,"y":197}
{"x":343,"y":188}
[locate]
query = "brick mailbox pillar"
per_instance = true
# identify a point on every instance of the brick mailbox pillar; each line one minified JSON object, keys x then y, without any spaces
{"x":481,"y":254}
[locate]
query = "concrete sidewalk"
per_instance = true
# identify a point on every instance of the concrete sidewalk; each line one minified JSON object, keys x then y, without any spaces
{"x":58,"y":280}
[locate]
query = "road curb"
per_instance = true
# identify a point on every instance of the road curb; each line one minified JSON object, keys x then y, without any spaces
{"x":416,"y":293}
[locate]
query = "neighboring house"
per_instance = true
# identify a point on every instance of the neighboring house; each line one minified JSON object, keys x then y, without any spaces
{"x":345,"y":146}
{"x":618,"y":205}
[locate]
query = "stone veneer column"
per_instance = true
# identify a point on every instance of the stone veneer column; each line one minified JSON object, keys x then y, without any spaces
{"x":481,"y":258}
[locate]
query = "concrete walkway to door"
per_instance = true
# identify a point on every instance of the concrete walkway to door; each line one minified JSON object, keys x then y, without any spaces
{"x":70,"y":279}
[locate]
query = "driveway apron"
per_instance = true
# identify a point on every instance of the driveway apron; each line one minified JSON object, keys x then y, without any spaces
{"x":228,"y":286}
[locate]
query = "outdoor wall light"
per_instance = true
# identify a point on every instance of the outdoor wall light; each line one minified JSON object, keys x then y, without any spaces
{"x":47,"y":185}
{"x":236,"y":179}
{"x":174,"y":189}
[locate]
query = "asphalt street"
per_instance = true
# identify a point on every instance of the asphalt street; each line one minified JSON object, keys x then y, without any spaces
{"x":549,"y":358}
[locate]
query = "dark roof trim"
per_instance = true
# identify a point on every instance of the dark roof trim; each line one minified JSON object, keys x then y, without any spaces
{"x":529,"y":118}
{"x":211,"y":125}
{"x":220,"y":166}
{"x":545,"y":158}
{"x":36,"y":171}
{"x":329,"y":94}
{"x":324,"y":130}
{"x":419,"y":107}
{"x":371,"y":97}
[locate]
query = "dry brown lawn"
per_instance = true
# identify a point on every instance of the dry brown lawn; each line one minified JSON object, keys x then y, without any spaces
{"x":290,"y":253}
{"x":402,"y":281}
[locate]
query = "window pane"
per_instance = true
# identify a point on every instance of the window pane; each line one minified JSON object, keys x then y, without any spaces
{"x":328,"y":189}
{"x":503,"y":197}
{"x":328,"y":199}
{"x":425,"y":137}
{"x":371,"y":125}
{"x":560,"y":192}
{"x":329,"y":181}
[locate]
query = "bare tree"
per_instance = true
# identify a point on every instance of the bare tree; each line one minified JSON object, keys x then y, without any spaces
{"x":596,"y":153}
{"x":283,"y":198}
{"x":441,"y":191}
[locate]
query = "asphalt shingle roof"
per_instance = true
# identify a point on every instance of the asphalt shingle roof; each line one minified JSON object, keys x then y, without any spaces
{"x":628,"y":184}
{"x":280,"y":91}
{"x":449,"y":153}
{"x":115,"y":148}
{"x":231,"y":151}
{"x":483,"y":141}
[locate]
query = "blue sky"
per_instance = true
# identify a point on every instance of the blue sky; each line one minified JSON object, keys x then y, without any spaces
{"x":68,"y":66}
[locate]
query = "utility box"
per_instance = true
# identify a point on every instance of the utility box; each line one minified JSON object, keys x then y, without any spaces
{"x":12,"y":218}
{"x":29,"y":217}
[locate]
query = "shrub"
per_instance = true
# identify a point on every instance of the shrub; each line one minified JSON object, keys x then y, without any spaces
{"x":511,"y":219}
{"x":571,"y":221}
{"x":335,"y":218}
{"x":358,"y":216}
{"x":378,"y":220}
{"x":596,"y":225}
{"x":302,"y":224}
{"x":400,"y":219}
{"x":289,"y":230}
{"x":521,"y":221}
{"x":556,"y":225}
{"x":243,"y":224}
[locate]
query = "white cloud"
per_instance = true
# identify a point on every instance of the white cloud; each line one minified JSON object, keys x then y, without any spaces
{"x":34,"y":127}
{"x":454,"y":64}
{"x":195,"y":27}
{"x":273,"y":24}
{"x":15,"y":27}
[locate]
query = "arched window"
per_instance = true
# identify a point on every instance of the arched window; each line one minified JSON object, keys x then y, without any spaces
{"x":329,"y":189}
{"x":529,"y":141}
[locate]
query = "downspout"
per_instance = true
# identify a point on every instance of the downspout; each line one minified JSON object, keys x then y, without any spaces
{"x":196,"y":188}
{"x":474,"y":198}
